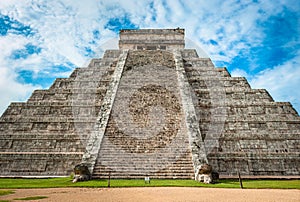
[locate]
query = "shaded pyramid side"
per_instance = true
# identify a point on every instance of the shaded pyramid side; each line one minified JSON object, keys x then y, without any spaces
{"x":244,"y":129}
{"x":46,"y":135}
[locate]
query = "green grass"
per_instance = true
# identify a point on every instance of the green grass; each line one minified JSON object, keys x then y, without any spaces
{"x":272,"y":184}
{"x":9,"y":183}
{"x":6,"y":192}
{"x":31,"y":198}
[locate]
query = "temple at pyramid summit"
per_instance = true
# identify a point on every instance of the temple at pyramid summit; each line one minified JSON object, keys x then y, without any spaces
{"x":151,"y":108}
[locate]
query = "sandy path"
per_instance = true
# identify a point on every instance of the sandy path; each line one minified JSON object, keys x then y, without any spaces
{"x":159,"y":194}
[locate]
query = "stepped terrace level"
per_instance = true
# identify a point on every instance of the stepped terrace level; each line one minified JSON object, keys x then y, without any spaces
{"x":151,"y":108}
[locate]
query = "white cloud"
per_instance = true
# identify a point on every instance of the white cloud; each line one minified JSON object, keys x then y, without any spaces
{"x":227,"y":17}
{"x":64,"y":28}
{"x":282,"y":81}
{"x":239,"y":73}
{"x":11,"y":90}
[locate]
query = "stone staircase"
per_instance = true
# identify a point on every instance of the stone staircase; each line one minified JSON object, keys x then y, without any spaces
{"x":132,"y":147}
{"x":123,"y":165}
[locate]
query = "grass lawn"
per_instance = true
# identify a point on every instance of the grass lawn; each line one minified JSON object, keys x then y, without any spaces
{"x":6,"y":192}
{"x":10,"y":183}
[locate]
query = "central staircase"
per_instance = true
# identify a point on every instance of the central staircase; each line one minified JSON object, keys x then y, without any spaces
{"x":132,"y":147}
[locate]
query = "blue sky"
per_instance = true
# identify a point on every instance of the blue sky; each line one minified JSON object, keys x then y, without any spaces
{"x":42,"y":40}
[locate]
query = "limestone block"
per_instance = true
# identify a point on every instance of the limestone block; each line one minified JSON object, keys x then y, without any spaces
{"x":5,"y":144}
{"x":75,"y":72}
{"x":37,"y":95}
{"x":112,"y":54}
{"x":224,"y":72}
{"x":95,"y":62}
{"x":256,"y":110}
{"x":59,"y":126}
{"x":277,"y":125}
{"x":258,"y":125}
{"x":38,"y":110}
{"x":189,"y":53}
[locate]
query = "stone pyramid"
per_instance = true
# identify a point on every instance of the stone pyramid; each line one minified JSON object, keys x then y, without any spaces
{"x":151,"y":108}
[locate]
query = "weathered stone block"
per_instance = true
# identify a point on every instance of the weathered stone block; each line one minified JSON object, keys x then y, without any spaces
{"x":158,"y":111}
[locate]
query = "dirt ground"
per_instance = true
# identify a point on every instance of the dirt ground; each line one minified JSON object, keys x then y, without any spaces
{"x":158,"y":194}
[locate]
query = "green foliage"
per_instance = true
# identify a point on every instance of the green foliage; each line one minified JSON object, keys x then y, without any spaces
{"x":9,"y":183}
{"x":6,"y":192}
{"x":31,"y":198}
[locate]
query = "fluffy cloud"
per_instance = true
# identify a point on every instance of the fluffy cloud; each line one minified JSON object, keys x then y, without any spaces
{"x":11,"y":90}
{"x":282,"y":81}
{"x":240,"y":73}
{"x":69,"y":33}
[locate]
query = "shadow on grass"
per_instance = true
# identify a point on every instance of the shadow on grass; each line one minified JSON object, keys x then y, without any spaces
{"x":6,"y":192}
{"x":31,"y":198}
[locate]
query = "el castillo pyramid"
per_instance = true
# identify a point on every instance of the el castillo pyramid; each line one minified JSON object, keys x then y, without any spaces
{"x":151,"y":108}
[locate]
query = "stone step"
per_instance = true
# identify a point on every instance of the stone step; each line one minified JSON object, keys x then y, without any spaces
{"x":219,"y":72}
{"x":42,"y":149}
{"x":189,"y":54}
{"x":145,"y":171}
{"x":75,"y":90}
{"x":128,"y":176}
{"x":152,"y":152}
{"x":212,"y":74}
{"x":56,"y":103}
{"x":75,"y":111}
{"x":158,"y":157}
{"x":140,"y":161}
{"x":208,"y":103}
{"x":95,"y":62}
{"x":47,"y":119}
{"x":223,"y":71}
{"x":206,"y":81}
{"x":133,"y":171}
{"x":105,"y":154}
{"x":46,"y":144}
{"x":246,"y":155}
{"x":257,"y":117}
{"x":147,"y":167}
{"x":114,"y":54}
{"x":286,"y":106}
{"x":48,"y":136}
{"x":104,"y":172}
{"x":83,"y":73}
{"x":198,"y":63}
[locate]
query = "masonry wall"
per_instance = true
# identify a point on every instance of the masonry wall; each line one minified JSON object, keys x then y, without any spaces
{"x":47,"y":135}
{"x":243,"y":129}
{"x":152,"y":39}
{"x":252,"y":133}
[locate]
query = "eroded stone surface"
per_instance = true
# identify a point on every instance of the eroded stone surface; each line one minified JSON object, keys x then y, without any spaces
{"x":172,"y":112}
